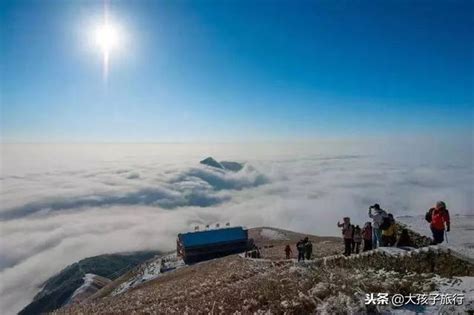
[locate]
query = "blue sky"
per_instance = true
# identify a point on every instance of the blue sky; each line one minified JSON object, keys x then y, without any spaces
{"x":237,"y":70}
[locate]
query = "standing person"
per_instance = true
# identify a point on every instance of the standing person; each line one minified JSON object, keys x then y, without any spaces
{"x":347,"y":229}
{"x":300,"y":248}
{"x":288,"y":251}
{"x":367,"y":236}
{"x":351,"y":227}
{"x":308,"y":248}
{"x":438,"y":217}
{"x":357,"y":239}
{"x":378,"y":217}
{"x":389,"y":235}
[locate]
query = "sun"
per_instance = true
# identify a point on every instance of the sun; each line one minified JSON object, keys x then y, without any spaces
{"x":107,"y":37}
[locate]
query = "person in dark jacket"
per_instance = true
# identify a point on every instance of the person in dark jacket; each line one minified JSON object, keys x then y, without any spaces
{"x":367,"y":236}
{"x":308,"y":249}
{"x":300,"y":248}
{"x":389,"y":235}
{"x":288,"y":251}
{"x":439,"y":220}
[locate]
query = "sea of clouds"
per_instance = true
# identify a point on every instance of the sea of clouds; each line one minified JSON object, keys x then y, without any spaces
{"x":63,"y":202}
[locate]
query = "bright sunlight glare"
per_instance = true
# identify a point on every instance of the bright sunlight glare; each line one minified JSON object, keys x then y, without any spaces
{"x":107,"y":37}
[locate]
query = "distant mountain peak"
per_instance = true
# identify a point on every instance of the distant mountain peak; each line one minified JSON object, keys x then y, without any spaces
{"x":223,"y":165}
{"x":212,"y":163}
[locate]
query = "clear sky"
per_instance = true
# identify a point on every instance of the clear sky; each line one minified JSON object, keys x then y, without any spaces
{"x":236,"y":70}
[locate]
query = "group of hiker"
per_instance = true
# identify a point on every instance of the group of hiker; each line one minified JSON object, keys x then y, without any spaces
{"x":254,"y":252}
{"x":304,"y":248}
{"x":382,"y":231}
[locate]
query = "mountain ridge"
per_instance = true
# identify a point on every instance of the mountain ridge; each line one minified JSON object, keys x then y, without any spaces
{"x":329,"y":283}
{"x":58,"y":289}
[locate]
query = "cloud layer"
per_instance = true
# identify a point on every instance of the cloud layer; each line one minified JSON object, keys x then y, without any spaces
{"x":65,"y":202}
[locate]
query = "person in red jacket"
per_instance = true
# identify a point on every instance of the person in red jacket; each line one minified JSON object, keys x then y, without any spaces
{"x":438,"y":217}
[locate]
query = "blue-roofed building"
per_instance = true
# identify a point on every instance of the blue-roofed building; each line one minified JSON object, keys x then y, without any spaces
{"x":203,"y":245}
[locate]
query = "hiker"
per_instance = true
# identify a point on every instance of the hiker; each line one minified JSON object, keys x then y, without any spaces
{"x":389,"y":234}
{"x":255,"y":253}
{"x":300,"y":248}
{"x":356,"y":240}
{"x":404,"y":240}
{"x":438,"y":217}
{"x":378,"y":218}
{"x":367,"y":236}
{"x":308,"y":248}
{"x":347,"y":229}
{"x":162,"y":266}
{"x":288,"y":251}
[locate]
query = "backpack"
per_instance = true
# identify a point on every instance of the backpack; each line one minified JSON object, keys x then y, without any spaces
{"x":428,"y":215}
{"x":385,"y":223}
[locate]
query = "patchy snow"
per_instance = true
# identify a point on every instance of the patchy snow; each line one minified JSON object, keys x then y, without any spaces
{"x":272,"y":234}
{"x":149,"y":271}
{"x":395,"y":250}
{"x":460,"y":238}
{"x":88,"y":281}
{"x":457,"y":285}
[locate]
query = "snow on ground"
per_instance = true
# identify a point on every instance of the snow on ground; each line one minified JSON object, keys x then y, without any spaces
{"x":88,"y":280}
{"x":457,"y":285}
{"x":395,"y":250}
{"x":273,"y":235}
{"x":151,"y":270}
{"x":460,"y":286}
{"x":460,"y":238}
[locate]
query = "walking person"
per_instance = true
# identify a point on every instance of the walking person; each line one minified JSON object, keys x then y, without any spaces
{"x":288,"y":251}
{"x":439,"y":220}
{"x":347,"y":232}
{"x":357,"y":240}
{"x":378,"y":218}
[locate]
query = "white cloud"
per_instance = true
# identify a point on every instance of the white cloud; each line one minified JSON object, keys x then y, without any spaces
{"x":63,"y":203}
